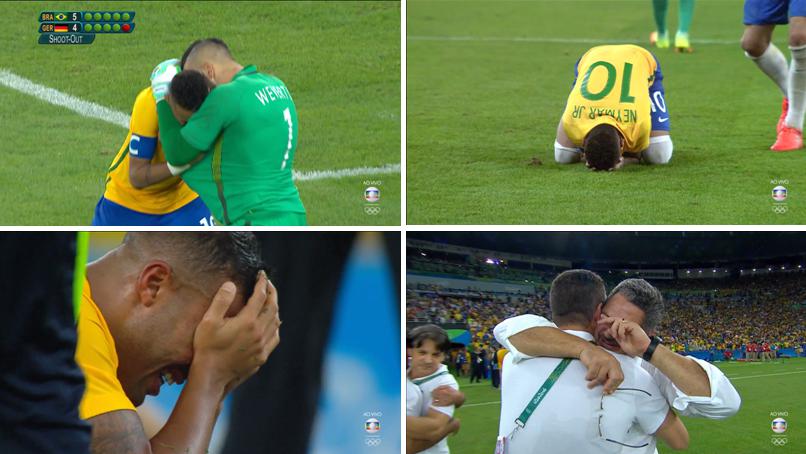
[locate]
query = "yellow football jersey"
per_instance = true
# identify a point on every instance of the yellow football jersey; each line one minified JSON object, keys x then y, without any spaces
{"x":160,"y":198}
{"x":612,"y":87}
{"x":98,"y":359}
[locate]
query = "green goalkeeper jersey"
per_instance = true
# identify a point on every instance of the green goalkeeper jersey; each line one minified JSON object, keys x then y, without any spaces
{"x":247,"y":130}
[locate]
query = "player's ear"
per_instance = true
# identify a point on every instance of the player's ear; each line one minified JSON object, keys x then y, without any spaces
{"x":154,"y":278}
{"x":209,"y":71}
{"x":597,"y":313}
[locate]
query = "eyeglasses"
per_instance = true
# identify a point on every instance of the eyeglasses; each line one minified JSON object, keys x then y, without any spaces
{"x":601,"y":413}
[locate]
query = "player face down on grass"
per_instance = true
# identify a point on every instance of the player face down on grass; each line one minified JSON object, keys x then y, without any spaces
{"x":603,"y":147}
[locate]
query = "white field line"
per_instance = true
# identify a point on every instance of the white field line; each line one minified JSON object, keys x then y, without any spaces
{"x":53,"y":96}
{"x":341,"y":173}
{"x":481,"y":404}
{"x":767,"y":375}
{"x":91,"y":110}
{"x":732,"y":378}
{"x":544,"y":40}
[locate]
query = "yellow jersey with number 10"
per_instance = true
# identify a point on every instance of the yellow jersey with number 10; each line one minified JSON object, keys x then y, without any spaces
{"x":159,"y":198}
{"x":612,"y":87}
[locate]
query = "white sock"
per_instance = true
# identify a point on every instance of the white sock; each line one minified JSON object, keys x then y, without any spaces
{"x":659,"y":151}
{"x":773,"y":63}
{"x":797,"y":88}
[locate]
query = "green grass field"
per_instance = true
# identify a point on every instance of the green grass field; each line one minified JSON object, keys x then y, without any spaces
{"x":764,"y":388}
{"x":487,"y":82}
{"x":340,"y":60}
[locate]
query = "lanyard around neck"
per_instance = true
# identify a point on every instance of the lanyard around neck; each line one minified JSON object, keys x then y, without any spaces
{"x":541,"y":393}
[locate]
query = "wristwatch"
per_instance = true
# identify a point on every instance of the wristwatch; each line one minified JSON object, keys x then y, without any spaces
{"x":654,"y":341}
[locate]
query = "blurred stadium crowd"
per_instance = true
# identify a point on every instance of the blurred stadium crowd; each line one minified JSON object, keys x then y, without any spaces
{"x":715,"y":319}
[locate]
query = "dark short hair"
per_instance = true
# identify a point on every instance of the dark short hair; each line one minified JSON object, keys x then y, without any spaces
{"x":646,"y":297}
{"x":574,"y":296}
{"x":209,"y":41}
{"x":189,"y":89}
{"x":232,"y":255}
{"x":420,"y":334}
{"x":602,"y":147}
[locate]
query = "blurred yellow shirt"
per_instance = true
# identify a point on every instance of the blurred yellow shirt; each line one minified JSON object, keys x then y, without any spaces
{"x":159,"y":198}
{"x":500,"y":357}
{"x":96,"y":355}
{"x":612,"y":87}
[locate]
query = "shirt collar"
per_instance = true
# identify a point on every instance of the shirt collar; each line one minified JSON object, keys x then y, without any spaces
{"x":441,"y":368}
{"x":583,"y":334}
{"x":251,"y":69}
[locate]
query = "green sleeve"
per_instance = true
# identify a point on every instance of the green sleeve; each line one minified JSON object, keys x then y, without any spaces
{"x":215,"y":114}
{"x":177,"y":151}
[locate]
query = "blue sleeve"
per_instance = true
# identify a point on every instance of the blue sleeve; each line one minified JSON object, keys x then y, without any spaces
{"x":657,"y":101}
{"x":142,"y":147}
{"x":576,"y":72}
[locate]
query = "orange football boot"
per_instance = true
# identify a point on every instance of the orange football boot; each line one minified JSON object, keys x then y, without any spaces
{"x":789,"y":139}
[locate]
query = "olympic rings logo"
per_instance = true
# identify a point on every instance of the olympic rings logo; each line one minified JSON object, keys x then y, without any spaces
{"x":372,"y":442}
{"x":372,"y":210}
{"x":779,"y":209}
{"x":779,"y":441}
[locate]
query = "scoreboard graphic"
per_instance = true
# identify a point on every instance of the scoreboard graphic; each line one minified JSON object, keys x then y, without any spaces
{"x":80,"y":27}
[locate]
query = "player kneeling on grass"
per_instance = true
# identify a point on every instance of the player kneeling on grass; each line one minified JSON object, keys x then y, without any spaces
{"x":616,"y":111}
{"x":240,"y":143}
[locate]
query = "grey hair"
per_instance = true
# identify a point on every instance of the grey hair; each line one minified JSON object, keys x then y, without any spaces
{"x":645,"y":296}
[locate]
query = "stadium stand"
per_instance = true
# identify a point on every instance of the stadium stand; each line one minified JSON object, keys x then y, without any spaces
{"x":713,"y":313}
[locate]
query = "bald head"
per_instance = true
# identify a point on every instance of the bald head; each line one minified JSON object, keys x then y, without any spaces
{"x":212,"y":58}
{"x":208,"y":51}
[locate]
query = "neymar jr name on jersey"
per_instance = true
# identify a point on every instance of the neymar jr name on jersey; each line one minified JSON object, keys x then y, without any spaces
{"x":272,"y":93}
{"x":620,"y":115}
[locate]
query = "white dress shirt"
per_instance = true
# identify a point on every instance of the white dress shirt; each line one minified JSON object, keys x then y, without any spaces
{"x":723,"y":402}
{"x":574,"y":419}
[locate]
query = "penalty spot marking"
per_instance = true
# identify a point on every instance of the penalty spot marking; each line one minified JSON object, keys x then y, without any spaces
{"x":92,"y":110}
